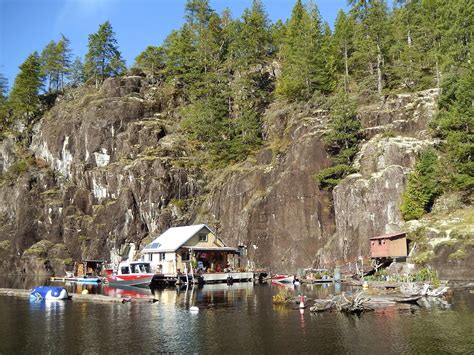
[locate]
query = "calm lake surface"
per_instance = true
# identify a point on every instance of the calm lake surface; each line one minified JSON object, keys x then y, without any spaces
{"x":233,"y":319}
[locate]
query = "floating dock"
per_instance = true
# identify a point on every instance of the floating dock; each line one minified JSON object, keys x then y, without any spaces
{"x":80,"y":297}
{"x":164,"y":280}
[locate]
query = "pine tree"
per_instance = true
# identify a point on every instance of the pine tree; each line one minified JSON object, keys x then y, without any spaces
{"x":3,"y":101}
{"x":343,"y":45}
{"x":49,"y":67}
{"x":455,"y":124}
{"x":103,"y":58}
{"x":371,"y":41}
{"x":304,"y":69}
{"x":24,"y":95}
{"x":151,"y":60}
{"x":63,"y":51}
{"x":76,"y":75}
{"x":341,"y":139}
{"x":422,"y":187}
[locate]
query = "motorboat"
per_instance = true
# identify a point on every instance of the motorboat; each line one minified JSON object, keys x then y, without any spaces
{"x":284,"y":278}
{"x":134,"y":273}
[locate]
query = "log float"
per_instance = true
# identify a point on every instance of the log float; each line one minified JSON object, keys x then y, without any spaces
{"x":13,"y":292}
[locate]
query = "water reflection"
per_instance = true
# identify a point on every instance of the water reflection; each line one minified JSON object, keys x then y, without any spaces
{"x":238,"y":318}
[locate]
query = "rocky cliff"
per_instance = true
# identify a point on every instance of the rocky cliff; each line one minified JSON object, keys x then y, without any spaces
{"x":112,"y":166}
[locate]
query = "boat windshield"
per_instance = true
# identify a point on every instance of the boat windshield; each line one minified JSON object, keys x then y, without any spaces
{"x":141,"y":268}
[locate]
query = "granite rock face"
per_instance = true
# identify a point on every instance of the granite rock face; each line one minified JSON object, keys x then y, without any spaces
{"x":273,"y":206}
{"x":105,"y":178}
{"x":112,"y":166}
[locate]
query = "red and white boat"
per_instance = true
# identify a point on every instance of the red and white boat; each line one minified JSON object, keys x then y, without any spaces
{"x":284,"y":278}
{"x":135,"y":273}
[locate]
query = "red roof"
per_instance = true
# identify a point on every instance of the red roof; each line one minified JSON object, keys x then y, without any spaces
{"x":390,"y":236}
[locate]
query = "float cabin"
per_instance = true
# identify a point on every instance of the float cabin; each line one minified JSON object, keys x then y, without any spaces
{"x":181,"y":248}
{"x":389,"y":246}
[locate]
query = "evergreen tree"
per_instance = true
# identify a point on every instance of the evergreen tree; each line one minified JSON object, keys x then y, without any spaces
{"x":49,"y":67}
{"x":103,"y":58}
{"x":63,"y":51}
{"x":455,"y":124}
{"x":151,"y":60}
{"x":24,"y":95}
{"x":55,"y":63}
{"x":76,"y":75}
{"x":371,"y":41}
{"x":3,"y":88}
{"x":3,"y":100}
{"x":342,"y":139}
{"x":343,"y":45}
{"x":422,"y":187}
{"x":304,"y":69}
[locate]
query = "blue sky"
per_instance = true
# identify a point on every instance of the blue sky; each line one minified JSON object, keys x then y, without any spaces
{"x":28,"y":25}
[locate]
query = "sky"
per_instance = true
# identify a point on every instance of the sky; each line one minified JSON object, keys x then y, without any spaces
{"x":28,"y":25}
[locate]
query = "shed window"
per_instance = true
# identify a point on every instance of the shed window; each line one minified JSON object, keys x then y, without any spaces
{"x":203,"y":237}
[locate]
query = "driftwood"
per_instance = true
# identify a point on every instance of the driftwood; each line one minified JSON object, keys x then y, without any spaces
{"x":413,"y":289}
{"x":343,"y":303}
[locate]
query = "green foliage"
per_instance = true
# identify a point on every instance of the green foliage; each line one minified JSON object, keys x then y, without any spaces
{"x":306,"y":59}
{"x":328,"y":178}
{"x":284,"y":296}
{"x":422,"y":188}
{"x":4,"y":107}
{"x":455,"y":124}
{"x":103,"y":58}
{"x":151,"y":60}
{"x":342,"y":139}
{"x":55,"y":63}
{"x":24,"y":97}
{"x":76,"y":73}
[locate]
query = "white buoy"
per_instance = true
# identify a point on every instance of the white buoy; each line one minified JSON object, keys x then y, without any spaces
{"x":194,"y":309}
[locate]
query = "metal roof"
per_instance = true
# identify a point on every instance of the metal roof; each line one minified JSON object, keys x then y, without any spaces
{"x":390,"y":236}
{"x":174,"y":238}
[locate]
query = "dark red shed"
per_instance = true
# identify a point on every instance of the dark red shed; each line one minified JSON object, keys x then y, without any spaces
{"x":392,"y":245}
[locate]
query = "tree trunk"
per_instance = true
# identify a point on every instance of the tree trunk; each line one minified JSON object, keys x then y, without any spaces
{"x":346,"y":77}
{"x":379,"y":70}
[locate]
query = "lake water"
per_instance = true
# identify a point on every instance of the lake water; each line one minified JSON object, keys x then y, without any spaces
{"x":233,"y":319}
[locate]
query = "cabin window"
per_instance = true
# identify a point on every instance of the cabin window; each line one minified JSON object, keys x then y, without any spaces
{"x":380,"y":242}
{"x":203,"y":237}
{"x":124,"y":270}
{"x":161,"y":256}
{"x":150,"y":256}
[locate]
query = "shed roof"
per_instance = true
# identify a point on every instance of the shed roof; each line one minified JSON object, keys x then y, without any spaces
{"x":174,"y":238}
{"x":390,"y":236}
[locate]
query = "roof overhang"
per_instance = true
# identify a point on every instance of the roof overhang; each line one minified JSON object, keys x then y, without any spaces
{"x":235,"y":250}
{"x":390,"y":236}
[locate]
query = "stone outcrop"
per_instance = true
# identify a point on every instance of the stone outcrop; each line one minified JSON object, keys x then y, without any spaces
{"x":107,"y":169}
{"x":273,"y":205}
{"x":367,"y":204}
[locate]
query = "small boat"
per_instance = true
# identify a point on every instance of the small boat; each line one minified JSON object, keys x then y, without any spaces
{"x":87,"y":280}
{"x":135,"y":273}
{"x":283,"y":278}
